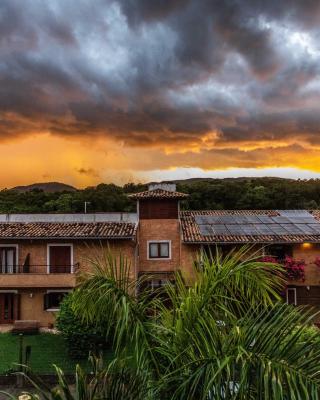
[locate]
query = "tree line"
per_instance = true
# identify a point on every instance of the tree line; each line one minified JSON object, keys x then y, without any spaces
{"x":205,"y":194}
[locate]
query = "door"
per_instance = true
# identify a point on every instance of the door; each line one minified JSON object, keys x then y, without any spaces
{"x":60,"y":259}
{"x":6,"y":308}
{"x":8,"y":260}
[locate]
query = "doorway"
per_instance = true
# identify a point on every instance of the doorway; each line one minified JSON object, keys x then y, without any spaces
{"x":7,"y":308}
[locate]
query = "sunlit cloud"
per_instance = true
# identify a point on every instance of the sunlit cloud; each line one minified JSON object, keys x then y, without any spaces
{"x":118,"y":91}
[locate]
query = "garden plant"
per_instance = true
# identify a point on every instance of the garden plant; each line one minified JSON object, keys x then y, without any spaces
{"x":225,"y":333}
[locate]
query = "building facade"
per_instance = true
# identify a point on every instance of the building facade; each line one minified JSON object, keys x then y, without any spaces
{"x":40,"y":254}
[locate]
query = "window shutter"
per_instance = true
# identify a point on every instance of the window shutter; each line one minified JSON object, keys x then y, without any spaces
{"x":46,"y":302}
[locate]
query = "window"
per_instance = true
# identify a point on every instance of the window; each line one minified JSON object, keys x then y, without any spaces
{"x":155,"y":283}
{"x":52,"y":300}
{"x":8,"y":260}
{"x":279,"y":251}
{"x":159,"y":250}
{"x":291,"y":296}
{"x":60,"y":258}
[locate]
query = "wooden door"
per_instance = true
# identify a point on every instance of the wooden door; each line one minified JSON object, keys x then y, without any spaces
{"x":8,"y":260}
{"x":7,"y":308}
{"x":60,"y":259}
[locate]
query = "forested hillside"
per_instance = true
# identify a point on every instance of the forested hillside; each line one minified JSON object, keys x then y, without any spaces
{"x":241,"y":193}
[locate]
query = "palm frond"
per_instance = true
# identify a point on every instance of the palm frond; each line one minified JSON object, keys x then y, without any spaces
{"x":264,"y":356}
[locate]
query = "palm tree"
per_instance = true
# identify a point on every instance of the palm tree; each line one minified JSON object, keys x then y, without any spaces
{"x":225,"y":336}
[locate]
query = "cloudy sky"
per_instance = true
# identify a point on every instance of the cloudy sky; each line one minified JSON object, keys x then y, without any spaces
{"x":126,"y":90}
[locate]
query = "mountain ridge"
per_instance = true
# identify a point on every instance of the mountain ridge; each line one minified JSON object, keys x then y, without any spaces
{"x":49,"y":187}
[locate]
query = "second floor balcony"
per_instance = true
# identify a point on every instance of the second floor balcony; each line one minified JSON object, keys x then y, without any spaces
{"x":37,"y":276}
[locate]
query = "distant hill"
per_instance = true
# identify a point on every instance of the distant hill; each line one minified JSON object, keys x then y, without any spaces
{"x":239,"y":179}
{"x":49,"y":187}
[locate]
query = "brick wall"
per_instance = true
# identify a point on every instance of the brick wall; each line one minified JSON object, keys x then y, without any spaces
{"x":159,"y":229}
{"x":308,"y":253}
{"x":32,"y":296}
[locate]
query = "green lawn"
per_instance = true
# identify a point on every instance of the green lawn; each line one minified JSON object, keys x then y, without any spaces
{"x":46,"y":349}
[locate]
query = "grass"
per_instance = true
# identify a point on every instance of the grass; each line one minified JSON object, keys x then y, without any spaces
{"x":46,"y":349}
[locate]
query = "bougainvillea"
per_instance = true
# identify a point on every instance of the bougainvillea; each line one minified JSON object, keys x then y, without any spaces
{"x":317,"y":262}
{"x":295,"y":269}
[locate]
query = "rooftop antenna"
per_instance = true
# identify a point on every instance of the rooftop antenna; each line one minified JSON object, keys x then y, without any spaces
{"x":86,"y":203}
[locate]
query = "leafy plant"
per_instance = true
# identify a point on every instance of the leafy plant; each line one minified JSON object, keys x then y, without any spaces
{"x":81,"y":337}
{"x":115,"y":382}
{"x":225,"y":336}
{"x":295,"y":269}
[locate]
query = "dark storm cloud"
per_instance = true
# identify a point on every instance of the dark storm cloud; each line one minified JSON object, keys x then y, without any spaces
{"x":161,"y":72}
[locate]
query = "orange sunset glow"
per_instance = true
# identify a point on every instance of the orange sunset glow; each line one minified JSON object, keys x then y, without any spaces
{"x":140,"y":91}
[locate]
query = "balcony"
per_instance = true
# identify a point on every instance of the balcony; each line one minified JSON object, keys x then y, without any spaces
{"x":38,"y":276}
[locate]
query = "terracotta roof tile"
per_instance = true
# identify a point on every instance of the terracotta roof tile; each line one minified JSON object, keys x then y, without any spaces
{"x":41,"y":230}
{"x":191,"y":231}
{"x":158,"y":194}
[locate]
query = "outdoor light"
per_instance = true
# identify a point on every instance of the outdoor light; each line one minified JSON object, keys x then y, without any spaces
{"x":306,"y":245}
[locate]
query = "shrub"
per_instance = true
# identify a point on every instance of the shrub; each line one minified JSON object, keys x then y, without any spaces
{"x":81,"y":338}
{"x":295,"y":269}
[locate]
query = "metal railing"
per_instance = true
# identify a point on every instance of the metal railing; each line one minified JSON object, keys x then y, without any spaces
{"x":38,"y":269}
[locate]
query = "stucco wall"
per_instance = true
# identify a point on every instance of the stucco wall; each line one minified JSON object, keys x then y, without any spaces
{"x":308,"y":253}
{"x":33,"y":286}
{"x":31,"y":307}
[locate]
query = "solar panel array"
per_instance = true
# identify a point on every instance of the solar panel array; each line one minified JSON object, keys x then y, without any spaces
{"x":287,"y":223}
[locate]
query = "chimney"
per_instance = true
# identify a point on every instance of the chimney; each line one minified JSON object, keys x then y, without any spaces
{"x":170,"y":187}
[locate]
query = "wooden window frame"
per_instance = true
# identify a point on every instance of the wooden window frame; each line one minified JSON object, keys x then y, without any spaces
{"x":16,"y":246}
{"x":159,"y":242}
{"x":60,"y":245}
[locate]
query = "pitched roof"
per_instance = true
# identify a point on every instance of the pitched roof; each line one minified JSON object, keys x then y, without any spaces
{"x":61,"y":230}
{"x":250,"y":226}
{"x":158,"y":194}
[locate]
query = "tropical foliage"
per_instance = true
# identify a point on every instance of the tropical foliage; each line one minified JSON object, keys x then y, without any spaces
{"x":294,"y":268}
{"x":225,"y":335}
{"x":80,"y":338}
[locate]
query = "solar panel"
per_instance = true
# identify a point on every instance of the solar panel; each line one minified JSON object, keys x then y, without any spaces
{"x":294,"y":213}
{"x":292,"y":229}
{"x":250,"y":230}
{"x":220,"y":230}
{"x":278,"y":230}
{"x":264,"y":219}
{"x":289,"y":222}
{"x":315,"y":227}
{"x":228,"y":219}
{"x":306,"y":229}
{"x":205,"y":230}
{"x":213,"y":219}
{"x":263,"y":229}
{"x":235,"y":229}
{"x":200,"y":220}
{"x":252,"y":219}
{"x":303,"y":220}
{"x":280,"y":220}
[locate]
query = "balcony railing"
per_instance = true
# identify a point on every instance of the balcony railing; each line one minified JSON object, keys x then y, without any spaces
{"x":39,"y":269}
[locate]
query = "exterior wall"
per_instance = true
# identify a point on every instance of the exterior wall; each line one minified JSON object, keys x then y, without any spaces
{"x":308,"y":252}
{"x":31,"y":307}
{"x":33,"y":286}
{"x":85,"y":252}
{"x":159,"y":229}
{"x":189,"y":254}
